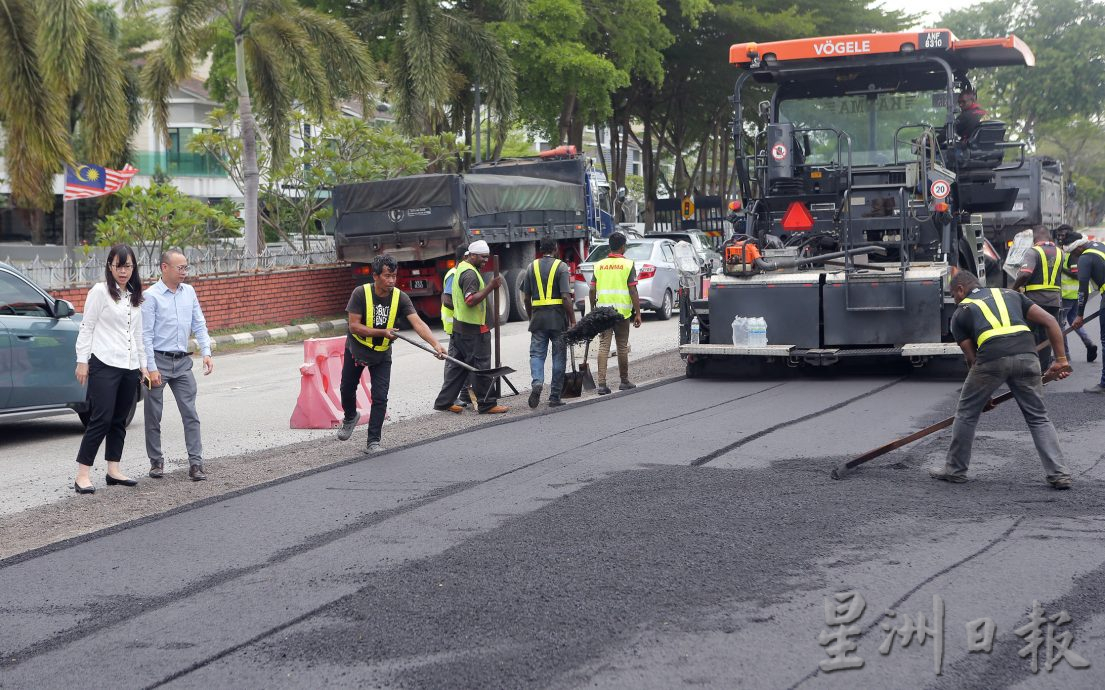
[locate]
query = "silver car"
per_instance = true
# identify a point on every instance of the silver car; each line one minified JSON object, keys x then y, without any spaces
{"x":657,"y":275}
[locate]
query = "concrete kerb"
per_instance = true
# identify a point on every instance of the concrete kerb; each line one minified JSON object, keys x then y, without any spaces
{"x":333,"y":327}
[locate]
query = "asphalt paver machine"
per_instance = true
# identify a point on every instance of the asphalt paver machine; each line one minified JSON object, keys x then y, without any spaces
{"x":859,"y":200}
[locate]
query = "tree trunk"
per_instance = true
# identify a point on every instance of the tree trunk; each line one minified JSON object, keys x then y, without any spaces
{"x":564,"y":123}
{"x":251,"y":174}
{"x":650,"y":175}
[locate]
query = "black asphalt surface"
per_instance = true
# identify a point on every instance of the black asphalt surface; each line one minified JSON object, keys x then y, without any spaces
{"x":686,"y":534}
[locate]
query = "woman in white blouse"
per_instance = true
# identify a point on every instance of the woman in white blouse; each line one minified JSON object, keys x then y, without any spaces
{"x":110,"y":360}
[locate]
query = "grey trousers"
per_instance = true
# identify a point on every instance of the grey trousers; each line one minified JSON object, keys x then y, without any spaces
{"x":1022,"y":373}
{"x":176,"y":374}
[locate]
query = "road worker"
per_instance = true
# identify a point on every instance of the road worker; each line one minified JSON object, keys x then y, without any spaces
{"x":1090,"y":261}
{"x":374,"y":309}
{"x":615,"y":285}
{"x":1038,"y":277}
{"x":548,"y":297}
{"x":991,"y":327}
{"x":471,"y":339}
{"x":1068,"y":284}
{"x":447,"y":310}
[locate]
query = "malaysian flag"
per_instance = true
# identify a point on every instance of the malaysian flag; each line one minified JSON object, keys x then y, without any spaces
{"x":86,"y":181}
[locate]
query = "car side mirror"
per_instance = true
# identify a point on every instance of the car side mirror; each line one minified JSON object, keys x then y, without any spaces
{"x":63,"y":309}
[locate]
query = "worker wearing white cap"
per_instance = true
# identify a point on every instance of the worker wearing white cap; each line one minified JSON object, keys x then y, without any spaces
{"x":471,"y":338}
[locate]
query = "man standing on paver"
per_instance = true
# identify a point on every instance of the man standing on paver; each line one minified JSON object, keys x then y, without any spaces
{"x":1090,"y":259}
{"x":614,"y":284}
{"x":991,"y":327}
{"x":170,"y":314}
{"x":374,"y":309}
{"x":471,"y":339}
{"x":1039,"y":278}
{"x":551,"y":311}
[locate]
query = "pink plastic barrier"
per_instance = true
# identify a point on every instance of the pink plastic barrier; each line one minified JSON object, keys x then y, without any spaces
{"x":319,"y":403}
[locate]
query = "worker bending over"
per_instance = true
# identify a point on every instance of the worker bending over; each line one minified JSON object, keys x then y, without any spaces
{"x":1039,"y":278}
{"x":1090,"y":260}
{"x":991,"y":327}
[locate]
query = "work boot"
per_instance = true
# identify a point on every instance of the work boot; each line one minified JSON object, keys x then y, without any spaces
{"x":602,"y":390}
{"x":1098,"y":388}
{"x":939,"y":473}
{"x":455,"y":409}
{"x":1091,"y":352}
{"x":535,"y":395}
{"x":498,"y":409}
{"x":627,"y":386}
{"x":347,"y":427}
{"x":556,"y":402}
{"x":1060,"y":484}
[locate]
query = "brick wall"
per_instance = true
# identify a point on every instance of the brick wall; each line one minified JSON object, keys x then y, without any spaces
{"x":262,"y":298}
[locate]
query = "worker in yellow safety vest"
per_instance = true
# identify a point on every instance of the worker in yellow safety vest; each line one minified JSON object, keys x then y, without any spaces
{"x":471,"y":338}
{"x":1039,"y":278}
{"x":1089,"y":259}
{"x":992,"y":328}
{"x":447,"y":310}
{"x":374,"y":309}
{"x":548,"y":298}
{"x":615,"y":285}
{"x":1068,"y":289}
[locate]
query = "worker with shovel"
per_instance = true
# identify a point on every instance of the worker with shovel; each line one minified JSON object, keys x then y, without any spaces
{"x":373,"y":311}
{"x":551,"y":311}
{"x":471,"y":339}
{"x":1090,"y":259}
{"x":992,"y":328}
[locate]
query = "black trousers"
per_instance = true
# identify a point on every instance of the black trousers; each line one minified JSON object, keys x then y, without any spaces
{"x":111,"y":393}
{"x":380,"y":374}
{"x":1041,"y":336}
{"x":473,"y":349}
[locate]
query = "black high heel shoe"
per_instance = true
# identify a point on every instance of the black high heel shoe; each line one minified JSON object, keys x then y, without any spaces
{"x":84,"y":489}
{"x":112,"y":481}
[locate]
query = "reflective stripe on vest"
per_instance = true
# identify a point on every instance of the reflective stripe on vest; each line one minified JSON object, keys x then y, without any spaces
{"x":612,"y":285}
{"x":446,"y":312}
{"x":999,"y":325}
{"x":476,"y":315}
{"x":370,"y":319}
{"x":545,"y":294}
{"x":1102,"y":255}
{"x":1050,"y":282}
{"x":1068,"y":284}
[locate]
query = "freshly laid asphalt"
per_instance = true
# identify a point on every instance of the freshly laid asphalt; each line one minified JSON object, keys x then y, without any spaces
{"x":687,"y":533}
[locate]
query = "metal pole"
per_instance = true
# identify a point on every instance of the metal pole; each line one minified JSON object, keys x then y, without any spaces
{"x":69,"y":223}
{"x":476,"y":82}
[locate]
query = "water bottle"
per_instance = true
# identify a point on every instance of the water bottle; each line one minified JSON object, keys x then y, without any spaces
{"x":740,"y":331}
{"x":757,"y":332}
{"x":696,"y":331}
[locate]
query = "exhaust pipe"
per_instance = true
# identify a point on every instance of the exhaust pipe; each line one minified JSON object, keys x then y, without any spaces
{"x":764,"y":265}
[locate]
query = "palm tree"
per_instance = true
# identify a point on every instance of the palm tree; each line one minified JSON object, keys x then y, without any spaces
{"x":60,"y":76}
{"x":284,"y":55}
{"x":436,"y":54}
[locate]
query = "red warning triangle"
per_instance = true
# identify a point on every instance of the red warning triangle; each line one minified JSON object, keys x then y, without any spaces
{"x":797,"y":218}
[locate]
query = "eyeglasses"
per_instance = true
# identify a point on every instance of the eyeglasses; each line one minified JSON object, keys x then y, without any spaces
{"x":182,"y":267}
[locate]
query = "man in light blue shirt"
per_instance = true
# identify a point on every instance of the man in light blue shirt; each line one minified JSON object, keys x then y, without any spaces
{"x":170,"y":314}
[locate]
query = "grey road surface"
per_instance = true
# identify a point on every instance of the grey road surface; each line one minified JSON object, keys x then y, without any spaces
{"x":245,"y":405}
{"x":684,"y":534}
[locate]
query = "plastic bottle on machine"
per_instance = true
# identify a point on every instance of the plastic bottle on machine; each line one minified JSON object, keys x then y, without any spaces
{"x":696,"y":331}
{"x":740,"y":331}
{"x":757,"y":332}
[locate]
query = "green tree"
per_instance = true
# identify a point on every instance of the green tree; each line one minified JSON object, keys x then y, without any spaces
{"x":60,"y":74}
{"x":1080,"y":145}
{"x":155,"y":218}
{"x":285,"y":56}
{"x":1068,"y":39}
{"x":340,"y":150}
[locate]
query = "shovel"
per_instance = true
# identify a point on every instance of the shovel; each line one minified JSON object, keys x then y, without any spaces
{"x":585,"y":369}
{"x":497,"y":371}
{"x":573,"y":380}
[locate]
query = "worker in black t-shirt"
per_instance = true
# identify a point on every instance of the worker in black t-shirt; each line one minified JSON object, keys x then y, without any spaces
{"x":1090,"y":260}
{"x":992,"y":328}
{"x":548,"y":294}
{"x":374,"y":309}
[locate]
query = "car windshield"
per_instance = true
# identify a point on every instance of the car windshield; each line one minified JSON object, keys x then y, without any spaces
{"x":870,"y":120}
{"x":638,"y":251}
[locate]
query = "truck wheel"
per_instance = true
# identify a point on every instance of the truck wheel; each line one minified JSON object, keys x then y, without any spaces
{"x":503,"y":295}
{"x":514,"y":279}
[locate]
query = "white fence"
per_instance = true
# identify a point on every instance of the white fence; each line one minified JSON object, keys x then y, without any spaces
{"x":202,"y":261}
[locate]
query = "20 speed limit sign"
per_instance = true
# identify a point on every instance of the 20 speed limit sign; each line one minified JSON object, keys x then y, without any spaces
{"x":940,"y":189}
